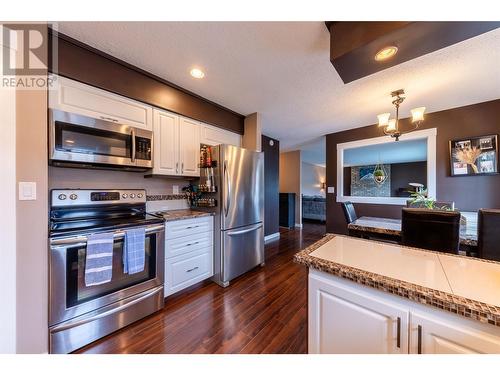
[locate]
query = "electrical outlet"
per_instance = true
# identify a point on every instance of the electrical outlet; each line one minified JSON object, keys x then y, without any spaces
{"x":175,"y":189}
{"x":331,"y":189}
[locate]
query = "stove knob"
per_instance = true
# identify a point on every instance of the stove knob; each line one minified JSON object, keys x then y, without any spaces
{"x":124,"y":195}
{"x":132,"y":195}
{"x":139,"y":195}
{"x":61,"y":197}
{"x":73,"y":197}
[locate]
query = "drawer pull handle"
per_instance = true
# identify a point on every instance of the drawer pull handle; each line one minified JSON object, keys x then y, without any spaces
{"x":192,"y":227}
{"x":419,"y":339}
{"x":109,"y":119}
{"x":194,"y":243}
{"x":399,"y":333}
{"x":192,"y":269}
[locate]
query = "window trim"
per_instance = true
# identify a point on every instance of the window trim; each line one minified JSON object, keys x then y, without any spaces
{"x":429,"y":134}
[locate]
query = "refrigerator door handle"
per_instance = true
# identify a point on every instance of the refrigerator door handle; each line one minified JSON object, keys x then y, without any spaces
{"x":227,"y":189}
{"x":243,"y":231}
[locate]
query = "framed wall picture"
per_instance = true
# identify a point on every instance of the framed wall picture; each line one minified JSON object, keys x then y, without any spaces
{"x":474,"y":156}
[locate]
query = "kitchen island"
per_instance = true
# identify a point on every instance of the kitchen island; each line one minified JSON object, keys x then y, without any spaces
{"x":373,"y":297}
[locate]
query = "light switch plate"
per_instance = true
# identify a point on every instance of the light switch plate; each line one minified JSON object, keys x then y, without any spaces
{"x":175,"y":189}
{"x":27,"y":191}
{"x":331,"y":189}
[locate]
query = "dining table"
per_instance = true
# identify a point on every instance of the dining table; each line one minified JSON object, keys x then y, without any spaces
{"x":391,"y":228}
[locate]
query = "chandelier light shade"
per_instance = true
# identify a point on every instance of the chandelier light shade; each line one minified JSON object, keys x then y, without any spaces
{"x":391,"y":126}
{"x":383,"y":119}
{"x":417,"y":114}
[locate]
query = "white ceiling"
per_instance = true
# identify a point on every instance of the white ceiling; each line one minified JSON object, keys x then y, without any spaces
{"x":283,"y":71}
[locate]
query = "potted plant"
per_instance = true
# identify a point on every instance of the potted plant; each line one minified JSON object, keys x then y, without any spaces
{"x":421,"y":200}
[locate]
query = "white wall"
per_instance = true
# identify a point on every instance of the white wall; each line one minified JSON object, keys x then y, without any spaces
{"x":312,"y":177}
{"x":8,"y":218}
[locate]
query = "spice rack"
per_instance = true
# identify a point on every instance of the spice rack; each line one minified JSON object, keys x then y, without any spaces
{"x":206,"y":189}
{"x":204,"y":202}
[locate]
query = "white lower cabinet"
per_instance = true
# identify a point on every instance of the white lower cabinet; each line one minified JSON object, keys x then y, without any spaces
{"x":345,"y":320}
{"x":438,"y":334}
{"x":189,"y":253}
{"x":188,"y":269}
{"x":345,"y":317}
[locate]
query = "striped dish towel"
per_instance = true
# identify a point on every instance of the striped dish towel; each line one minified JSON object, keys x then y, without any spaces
{"x":99,"y":259}
{"x":134,"y":251}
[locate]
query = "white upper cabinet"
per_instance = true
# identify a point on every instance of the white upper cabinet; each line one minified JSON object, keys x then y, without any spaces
{"x":177,"y":145}
{"x":213,"y":136}
{"x":166,"y":145}
{"x":189,"y":147}
{"x":76,"y":97}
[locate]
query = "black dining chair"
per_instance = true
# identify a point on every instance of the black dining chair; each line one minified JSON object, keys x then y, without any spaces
{"x":349,"y":212}
{"x":431,"y":229}
{"x":488,"y":240}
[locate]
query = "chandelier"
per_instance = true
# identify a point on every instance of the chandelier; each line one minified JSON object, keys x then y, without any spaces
{"x":391,"y":126}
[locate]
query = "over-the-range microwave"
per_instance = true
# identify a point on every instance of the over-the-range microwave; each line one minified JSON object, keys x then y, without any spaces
{"x":85,"y":142}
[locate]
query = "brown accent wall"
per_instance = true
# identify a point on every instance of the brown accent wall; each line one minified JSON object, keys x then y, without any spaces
{"x":86,"y":64}
{"x":404,"y":173}
{"x":469,"y":193}
{"x":271,"y":182}
{"x":290,"y":176}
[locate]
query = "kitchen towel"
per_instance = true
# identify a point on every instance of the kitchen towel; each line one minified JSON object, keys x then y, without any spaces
{"x":134,"y":251}
{"x":99,"y":259}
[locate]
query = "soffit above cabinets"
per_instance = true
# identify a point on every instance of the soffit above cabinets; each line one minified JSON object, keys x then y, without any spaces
{"x":353,"y":45}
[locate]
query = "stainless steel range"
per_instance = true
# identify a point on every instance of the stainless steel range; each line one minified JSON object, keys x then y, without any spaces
{"x":80,"y":314}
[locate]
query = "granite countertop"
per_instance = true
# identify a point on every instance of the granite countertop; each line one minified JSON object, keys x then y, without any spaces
{"x":468,"y":230}
{"x":457,"y":284}
{"x":173,"y":215}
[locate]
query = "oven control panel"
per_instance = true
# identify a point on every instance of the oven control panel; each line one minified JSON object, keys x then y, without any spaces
{"x":87,"y":197}
{"x":99,"y":196}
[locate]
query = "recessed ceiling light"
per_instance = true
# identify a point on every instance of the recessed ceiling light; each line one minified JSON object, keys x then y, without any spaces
{"x":386,"y":53}
{"x":197,"y":73}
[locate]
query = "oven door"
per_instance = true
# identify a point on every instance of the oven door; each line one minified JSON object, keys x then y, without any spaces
{"x":69,"y":297}
{"x":80,"y":139}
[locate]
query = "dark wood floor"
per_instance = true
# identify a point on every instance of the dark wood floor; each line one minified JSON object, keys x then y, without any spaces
{"x":263,"y":311}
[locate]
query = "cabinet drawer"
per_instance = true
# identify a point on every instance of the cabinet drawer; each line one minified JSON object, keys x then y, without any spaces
{"x":186,"y":244}
{"x":76,"y":97}
{"x":188,"y":227}
{"x":188,"y":269}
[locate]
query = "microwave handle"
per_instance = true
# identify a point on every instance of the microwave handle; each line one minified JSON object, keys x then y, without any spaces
{"x":132,"y":134}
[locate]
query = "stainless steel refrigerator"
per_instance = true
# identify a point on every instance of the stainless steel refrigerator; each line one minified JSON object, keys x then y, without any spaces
{"x":239,"y":216}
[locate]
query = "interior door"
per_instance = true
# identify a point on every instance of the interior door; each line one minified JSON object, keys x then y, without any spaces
{"x":243,"y":187}
{"x":432,"y":335}
{"x":346,"y":321}
{"x":189,"y":143}
{"x":166,"y":145}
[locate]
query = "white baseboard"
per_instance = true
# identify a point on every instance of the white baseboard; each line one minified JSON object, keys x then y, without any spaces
{"x":272,"y":237}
